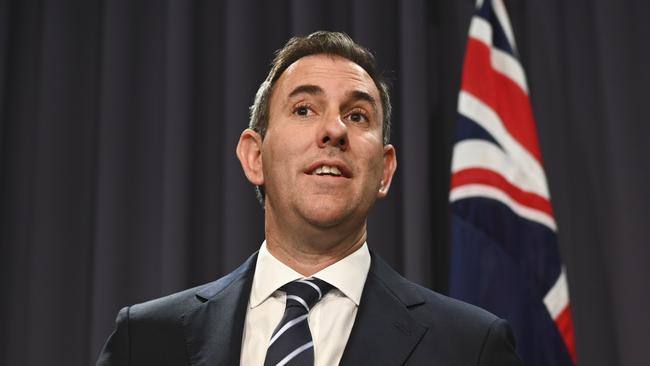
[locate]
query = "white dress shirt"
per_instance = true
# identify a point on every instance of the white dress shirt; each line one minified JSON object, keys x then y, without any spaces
{"x":330,"y":320}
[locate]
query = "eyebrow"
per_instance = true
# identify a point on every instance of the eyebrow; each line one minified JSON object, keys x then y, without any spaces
{"x":356,"y":95}
{"x":306,"y":89}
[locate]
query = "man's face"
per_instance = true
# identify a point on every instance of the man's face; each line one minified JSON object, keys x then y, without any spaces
{"x":323,"y":159}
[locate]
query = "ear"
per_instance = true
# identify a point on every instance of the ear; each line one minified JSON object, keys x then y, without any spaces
{"x":390,"y":165}
{"x":249,"y":152}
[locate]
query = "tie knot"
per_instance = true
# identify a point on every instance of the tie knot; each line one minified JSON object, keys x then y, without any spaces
{"x":305,"y":293}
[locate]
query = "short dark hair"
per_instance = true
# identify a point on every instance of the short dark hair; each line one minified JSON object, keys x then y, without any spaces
{"x":320,"y":42}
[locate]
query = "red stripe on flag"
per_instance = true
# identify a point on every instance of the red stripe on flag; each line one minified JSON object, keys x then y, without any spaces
{"x":503,"y":95}
{"x":491,"y":178}
{"x":564,"y":323}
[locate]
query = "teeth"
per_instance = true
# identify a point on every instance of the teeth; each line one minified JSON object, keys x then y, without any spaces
{"x":326,"y":169}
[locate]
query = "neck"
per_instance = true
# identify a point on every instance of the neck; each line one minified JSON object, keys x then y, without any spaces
{"x":308,"y":254}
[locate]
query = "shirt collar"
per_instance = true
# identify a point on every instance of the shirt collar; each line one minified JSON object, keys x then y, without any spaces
{"x":348,"y":275}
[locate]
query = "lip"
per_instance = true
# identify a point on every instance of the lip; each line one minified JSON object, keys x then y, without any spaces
{"x":345,"y":170}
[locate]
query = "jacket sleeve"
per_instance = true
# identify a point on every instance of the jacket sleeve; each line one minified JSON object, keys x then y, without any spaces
{"x":499,"y":346}
{"x":116,"y":350}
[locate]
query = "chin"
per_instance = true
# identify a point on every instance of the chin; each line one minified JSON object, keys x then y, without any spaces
{"x":325,"y":218}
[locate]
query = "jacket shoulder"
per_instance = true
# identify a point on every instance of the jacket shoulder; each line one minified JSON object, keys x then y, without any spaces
{"x":425,"y":304}
{"x":457,"y":333}
{"x":174,"y":305}
{"x":452,"y":308}
{"x":143,"y":330}
{"x":167,"y":307}
{"x":153,"y":332}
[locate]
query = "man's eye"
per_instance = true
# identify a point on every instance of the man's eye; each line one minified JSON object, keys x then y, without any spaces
{"x":302,"y":111}
{"x":357,"y":117}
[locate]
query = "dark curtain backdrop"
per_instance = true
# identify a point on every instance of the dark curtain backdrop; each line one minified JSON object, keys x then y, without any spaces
{"x":119,"y":182}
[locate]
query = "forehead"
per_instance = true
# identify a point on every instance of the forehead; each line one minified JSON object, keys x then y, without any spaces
{"x":334,"y":74}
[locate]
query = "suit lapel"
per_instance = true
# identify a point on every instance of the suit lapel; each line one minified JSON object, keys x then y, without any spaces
{"x":213,"y":331}
{"x":384,"y":332}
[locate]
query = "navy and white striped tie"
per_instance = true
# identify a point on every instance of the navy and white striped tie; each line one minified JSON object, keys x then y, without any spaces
{"x":291,"y":342}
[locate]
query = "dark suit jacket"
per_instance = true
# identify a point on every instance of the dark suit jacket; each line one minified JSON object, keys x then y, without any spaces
{"x":397,"y":323}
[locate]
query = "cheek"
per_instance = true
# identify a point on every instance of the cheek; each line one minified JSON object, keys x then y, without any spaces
{"x":289,"y":139}
{"x":377,"y":163}
{"x":279,"y":158}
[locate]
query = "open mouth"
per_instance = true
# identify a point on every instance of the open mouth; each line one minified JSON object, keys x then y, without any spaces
{"x":330,"y":170}
{"x":327,"y":170}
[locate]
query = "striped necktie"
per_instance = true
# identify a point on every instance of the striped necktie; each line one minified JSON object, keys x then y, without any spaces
{"x":291,"y":342}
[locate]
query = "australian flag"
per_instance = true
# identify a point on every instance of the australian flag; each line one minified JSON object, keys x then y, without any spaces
{"x":504,"y":251}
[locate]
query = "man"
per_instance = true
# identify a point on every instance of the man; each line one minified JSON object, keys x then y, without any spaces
{"x":317,"y":150}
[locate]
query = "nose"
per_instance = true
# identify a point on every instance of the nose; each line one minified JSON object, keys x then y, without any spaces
{"x":334,"y":132}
